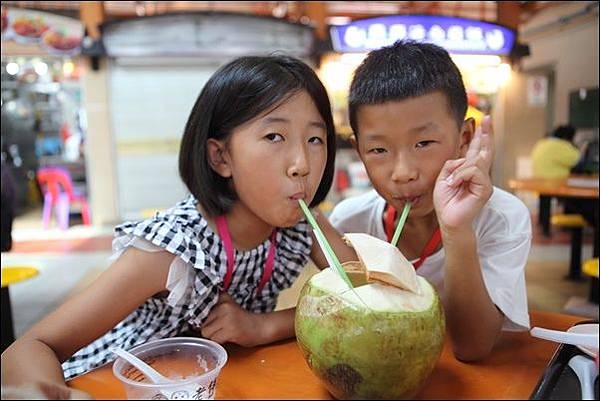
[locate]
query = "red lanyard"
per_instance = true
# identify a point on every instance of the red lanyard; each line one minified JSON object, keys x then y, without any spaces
{"x":434,"y":241}
{"x":226,"y":238}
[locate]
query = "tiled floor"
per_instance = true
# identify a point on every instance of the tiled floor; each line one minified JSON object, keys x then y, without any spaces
{"x":70,"y":261}
{"x":60,"y":274}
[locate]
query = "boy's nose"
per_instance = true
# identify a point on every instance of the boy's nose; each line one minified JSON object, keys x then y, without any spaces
{"x":404,"y":171}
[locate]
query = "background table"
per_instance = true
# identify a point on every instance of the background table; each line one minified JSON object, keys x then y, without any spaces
{"x":279,"y":371}
{"x":548,"y":188}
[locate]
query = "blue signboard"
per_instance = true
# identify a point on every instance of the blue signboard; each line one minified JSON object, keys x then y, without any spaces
{"x":456,"y":35}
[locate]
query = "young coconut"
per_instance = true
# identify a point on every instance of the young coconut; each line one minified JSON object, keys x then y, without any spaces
{"x":378,"y":341}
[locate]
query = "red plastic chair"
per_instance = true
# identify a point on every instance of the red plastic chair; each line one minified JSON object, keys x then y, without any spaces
{"x":59,"y":194}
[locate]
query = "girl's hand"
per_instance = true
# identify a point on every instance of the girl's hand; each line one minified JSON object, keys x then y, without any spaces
{"x":464,"y":185}
{"x":229,"y":322}
{"x":43,"y":391}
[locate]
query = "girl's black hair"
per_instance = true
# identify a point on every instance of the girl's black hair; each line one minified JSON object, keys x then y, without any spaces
{"x":404,"y":70}
{"x":238,"y":92}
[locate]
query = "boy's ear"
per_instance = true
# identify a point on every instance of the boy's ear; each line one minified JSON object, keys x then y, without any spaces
{"x":466,"y":135}
{"x":218,"y":157}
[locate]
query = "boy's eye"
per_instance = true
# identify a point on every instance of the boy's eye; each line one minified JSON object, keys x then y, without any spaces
{"x":273,"y":137}
{"x":316,"y":140}
{"x":377,"y":151}
{"x":423,"y":144}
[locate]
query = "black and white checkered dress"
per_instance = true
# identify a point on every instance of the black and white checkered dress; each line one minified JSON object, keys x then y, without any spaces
{"x":183,"y":231}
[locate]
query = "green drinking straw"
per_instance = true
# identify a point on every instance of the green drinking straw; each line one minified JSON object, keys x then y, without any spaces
{"x":401,"y":222}
{"x":327,"y":250}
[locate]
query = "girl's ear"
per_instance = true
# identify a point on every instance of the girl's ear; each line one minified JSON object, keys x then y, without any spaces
{"x":353,"y":142}
{"x":353,"y":139}
{"x":466,"y":135}
{"x":218,"y":157}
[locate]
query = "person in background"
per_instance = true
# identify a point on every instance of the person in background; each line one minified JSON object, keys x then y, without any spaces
{"x":556,"y":155}
{"x":8,"y":206}
{"x":553,"y":157}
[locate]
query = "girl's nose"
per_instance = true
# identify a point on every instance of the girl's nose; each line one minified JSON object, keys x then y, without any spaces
{"x":299,"y":167}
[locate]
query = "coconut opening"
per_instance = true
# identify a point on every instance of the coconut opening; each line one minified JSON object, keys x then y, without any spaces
{"x":381,"y":261}
{"x":356,"y":273}
{"x":379,"y":297}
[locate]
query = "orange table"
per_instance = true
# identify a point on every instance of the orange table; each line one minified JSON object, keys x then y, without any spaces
{"x":555,"y":187}
{"x":279,"y":371}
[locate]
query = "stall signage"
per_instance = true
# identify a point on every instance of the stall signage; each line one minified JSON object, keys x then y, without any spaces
{"x":456,"y":35}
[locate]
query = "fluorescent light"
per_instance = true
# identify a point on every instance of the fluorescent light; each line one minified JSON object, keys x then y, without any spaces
{"x":12,"y":68}
{"x":41,"y":68}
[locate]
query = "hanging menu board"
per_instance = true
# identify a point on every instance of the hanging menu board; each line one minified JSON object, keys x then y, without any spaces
{"x":56,"y":34}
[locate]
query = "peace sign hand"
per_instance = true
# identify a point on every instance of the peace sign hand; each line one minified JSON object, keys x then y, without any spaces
{"x":464,"y":185}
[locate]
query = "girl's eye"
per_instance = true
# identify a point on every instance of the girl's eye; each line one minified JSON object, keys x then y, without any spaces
{"x":423,"y":144}
{"x":316,"y":140}
{"x":377,"y":151}
{"x":273,"y":137}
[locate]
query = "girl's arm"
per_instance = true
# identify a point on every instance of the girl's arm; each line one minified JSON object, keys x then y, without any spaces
{"x":344,"y":252}
{"x":229,"y":322}
{"x":37,"y":355}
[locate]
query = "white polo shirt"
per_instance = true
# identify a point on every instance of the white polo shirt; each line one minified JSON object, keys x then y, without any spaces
{"x":503,"y":232}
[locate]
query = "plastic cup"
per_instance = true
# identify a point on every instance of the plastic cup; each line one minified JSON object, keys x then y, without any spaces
{"x":192,"y":363}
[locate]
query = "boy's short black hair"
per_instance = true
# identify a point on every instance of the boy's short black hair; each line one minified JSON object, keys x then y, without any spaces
{"x":404,"y":70}
{"x":238,"y":92}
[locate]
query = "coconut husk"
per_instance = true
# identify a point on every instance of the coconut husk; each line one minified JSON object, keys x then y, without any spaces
{"x":380,"y":261}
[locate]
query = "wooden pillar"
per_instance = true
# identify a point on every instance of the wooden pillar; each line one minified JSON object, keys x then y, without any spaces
{"x":509,"y":13}
{"x":317,"y":12}
{"x":433,"y":8}
{"x":92,"y":14}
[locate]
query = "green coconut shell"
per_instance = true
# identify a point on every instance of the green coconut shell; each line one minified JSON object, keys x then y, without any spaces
{"x":359,"y":353}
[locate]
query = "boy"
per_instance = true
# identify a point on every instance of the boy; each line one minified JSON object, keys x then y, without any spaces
{"x":470,"y":240}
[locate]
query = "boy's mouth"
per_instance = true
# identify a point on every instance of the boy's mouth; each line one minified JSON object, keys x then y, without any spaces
{"x":414,"y":200}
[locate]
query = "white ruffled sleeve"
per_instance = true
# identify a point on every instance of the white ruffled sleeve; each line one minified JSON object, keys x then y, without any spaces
{"x":181,"y":273}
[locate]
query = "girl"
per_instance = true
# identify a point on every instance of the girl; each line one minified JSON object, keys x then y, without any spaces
{"x":259,"y":138}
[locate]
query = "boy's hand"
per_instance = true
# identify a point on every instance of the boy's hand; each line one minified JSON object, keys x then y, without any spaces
{"x":464,"y":185}
{"x":229,"y":322}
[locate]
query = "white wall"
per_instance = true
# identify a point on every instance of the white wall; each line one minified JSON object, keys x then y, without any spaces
{"x":572,"y":49}
{"x":569,"y":49}
{"x":151,"y":102}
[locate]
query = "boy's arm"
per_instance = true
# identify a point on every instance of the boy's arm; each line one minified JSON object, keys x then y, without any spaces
{"x":473,"y":320}
{"x":462,"y":189}
{"x":343,"y":252}
{"x":36,"y":357}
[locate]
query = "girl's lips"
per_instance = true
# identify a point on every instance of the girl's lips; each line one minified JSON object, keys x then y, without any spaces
{"x":298,"y":195}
